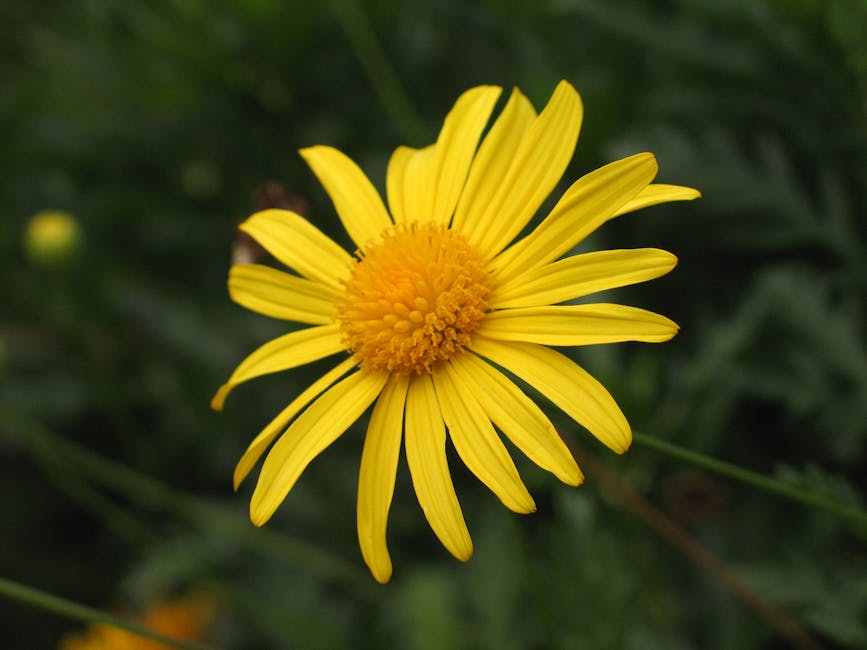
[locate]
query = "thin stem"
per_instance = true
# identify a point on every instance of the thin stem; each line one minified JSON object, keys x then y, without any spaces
{"x":671,"y":531}
{"x":378,"y":69}
{"x":90,"y":499}
{"x":754,"y":479}
{"x":37,"y":598}
{"x":149,"y":493}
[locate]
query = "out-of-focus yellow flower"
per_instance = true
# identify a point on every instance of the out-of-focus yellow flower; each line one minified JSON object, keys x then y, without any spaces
{"x":185,"y":619}
{"x":442,"y":295}
{"x":52,"y":237}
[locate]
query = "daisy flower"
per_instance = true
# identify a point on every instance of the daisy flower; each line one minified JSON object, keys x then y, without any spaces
{"x":442,"y":305}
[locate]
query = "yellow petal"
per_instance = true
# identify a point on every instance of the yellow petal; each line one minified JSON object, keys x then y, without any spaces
{"x":518,"y":417}
{"x":455,"y":148}
{"x":538,"y":164}
{"x":477,"y":443}
{"x":656,"y":193}
{"x":281,"y":295}
{"x":577,"y":325}
{"x":395,"y":183}
{"x":566,"y":384}
{"x":299,"y":245}
{"x":409,"y":185}
{"x":424,"y":184}
{"x":581,"y":275}
{"x":377,"y":474}
{"x":287,"y":351}
{"x":357,"y":202}
{"x":426,"y":457}
{"x":590,"y":202}
{"x":493,"y":160}
{"x":266,"y":437}
{"x":318,"y":426}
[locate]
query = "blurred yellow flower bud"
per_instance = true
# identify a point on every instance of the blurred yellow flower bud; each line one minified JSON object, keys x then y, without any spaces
{"x":52,"y":238}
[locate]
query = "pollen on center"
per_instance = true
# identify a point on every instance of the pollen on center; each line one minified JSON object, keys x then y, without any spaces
{"x":413,"y":298}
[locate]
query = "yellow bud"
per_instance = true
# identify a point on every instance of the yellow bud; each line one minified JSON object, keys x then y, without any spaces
{"x":52,"y":238}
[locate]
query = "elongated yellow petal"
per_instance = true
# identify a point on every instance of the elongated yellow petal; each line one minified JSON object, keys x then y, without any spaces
{"x":590,"y":202}
{"x":455,"y":148}
{"x":578,"y":325}
{"x":566,"y":384}
{"x":266,"y":437}
{"x":477,"y":443}
{"x":287,"y":351}
{"x":518,"y":417}
{"x":581,"y":275}
{"x":299,"y":245}
{"x":426,"y":457}
{"x":395,"y":183}
{"x":357,"y":202}
{"x":318,"y":426}
{"x":377,"y":474}
{"x":424,"y":184}
{"x":281,"y":295}
{"x":491,"y":164}
{"x":538,"y":164}
{"x":409,"y":183}
{"x":656,"y":193}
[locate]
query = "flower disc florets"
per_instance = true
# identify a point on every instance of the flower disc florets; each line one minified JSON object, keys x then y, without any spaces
{"x":413,"y":298}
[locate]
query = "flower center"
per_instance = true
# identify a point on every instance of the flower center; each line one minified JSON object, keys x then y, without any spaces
{"x":413,"y":298}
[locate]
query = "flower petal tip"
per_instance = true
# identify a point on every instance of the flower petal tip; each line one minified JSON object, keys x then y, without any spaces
{"x":649,"y":157}
{"x":245,"y":224}
{"x":382,"y":575}
{"x":625,"y":445}
{"x":219,"y":399}
{"x":259,"y":515}
{"x":567,"y":87}
{"x":573,"y":478}
{"x":523,"y":504}
{"x":465,"y":554}
{"x":310,"y":152}
{"x":258,"y":519}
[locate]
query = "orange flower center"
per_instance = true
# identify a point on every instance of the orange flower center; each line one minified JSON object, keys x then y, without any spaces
{"x":413,"y":298}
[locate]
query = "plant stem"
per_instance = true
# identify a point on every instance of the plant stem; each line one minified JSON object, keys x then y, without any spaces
{"x":148,"y":492}
{"x":795,"y":493}
{"x":385,"y":81}
{"x":35,"y":597}
{"x":673,"y":533}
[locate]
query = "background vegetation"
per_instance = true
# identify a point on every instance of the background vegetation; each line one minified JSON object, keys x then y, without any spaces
{"x":159,"y":124}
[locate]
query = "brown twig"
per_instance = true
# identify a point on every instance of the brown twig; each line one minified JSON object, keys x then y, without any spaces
{"x":673,"y":533}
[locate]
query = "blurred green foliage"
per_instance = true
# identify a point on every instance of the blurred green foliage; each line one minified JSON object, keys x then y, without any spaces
{"x":157,"y":125}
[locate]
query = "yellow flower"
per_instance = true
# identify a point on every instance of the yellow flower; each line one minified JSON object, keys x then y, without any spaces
{"x":438,"y":300}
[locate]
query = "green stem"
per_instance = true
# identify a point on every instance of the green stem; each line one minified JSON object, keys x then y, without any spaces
{"x":378,"y":69}
{"x":149,"y":493}
{"x":754,"y":479}
{"x":88,"y":498}
{"x":69,"y":609}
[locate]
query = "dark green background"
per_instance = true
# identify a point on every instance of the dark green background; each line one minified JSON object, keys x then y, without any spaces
{"x":157,"y":125}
